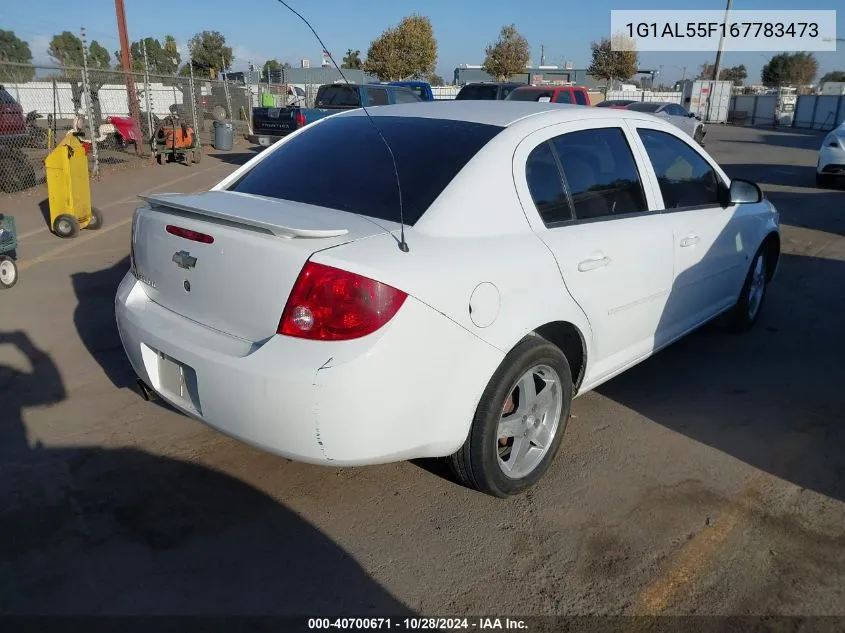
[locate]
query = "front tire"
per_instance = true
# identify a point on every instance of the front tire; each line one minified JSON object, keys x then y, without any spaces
{"x":519,"y":423}
{"x":747,"y":310}
{"x":8,"y":272}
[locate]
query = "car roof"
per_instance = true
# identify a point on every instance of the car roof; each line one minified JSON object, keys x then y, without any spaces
{"x":500,"y":113}
{"x":526,"y":88}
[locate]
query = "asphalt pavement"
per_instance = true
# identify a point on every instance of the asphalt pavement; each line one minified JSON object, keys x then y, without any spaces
{"x":709,"y":480}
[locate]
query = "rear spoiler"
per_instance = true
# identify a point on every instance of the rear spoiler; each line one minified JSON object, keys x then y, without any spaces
{"x":282,"y":218}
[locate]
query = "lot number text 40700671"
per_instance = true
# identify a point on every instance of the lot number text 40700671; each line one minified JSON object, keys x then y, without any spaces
{"x":431,"y":624}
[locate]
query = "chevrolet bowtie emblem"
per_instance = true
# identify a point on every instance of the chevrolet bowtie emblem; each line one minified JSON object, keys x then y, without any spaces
{"x":184,"y":260}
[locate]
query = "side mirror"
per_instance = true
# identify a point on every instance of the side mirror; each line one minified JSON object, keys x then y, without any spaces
{"x":744,"y":192}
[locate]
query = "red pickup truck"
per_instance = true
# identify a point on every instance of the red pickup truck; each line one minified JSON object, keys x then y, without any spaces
{"x":554,"y":94}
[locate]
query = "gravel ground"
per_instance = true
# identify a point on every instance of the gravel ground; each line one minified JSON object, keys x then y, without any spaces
{"x":709,"y":480}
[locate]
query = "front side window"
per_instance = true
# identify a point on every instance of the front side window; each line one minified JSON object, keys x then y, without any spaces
{"x":600,"y":169}
{"x":685,"y":178}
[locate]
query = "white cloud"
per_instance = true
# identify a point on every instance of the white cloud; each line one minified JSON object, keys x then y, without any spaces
{"x":244,"y":55}
{"x":39,"y":44}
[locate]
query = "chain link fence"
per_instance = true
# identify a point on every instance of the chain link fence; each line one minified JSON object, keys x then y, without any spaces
{"x":115,"y":114}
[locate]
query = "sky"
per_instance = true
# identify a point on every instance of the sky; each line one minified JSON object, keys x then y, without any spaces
{"x":259,"y":30}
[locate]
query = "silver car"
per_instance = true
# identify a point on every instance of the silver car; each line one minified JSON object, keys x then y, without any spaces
{"x":675,"y":114}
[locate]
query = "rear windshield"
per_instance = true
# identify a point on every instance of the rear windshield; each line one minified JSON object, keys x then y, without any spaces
{"x":529,"y":95}
{"x":342,"y":163}
{"x":644,"y":106}
{"x":478,"y":91}
{"x":339,"y":95}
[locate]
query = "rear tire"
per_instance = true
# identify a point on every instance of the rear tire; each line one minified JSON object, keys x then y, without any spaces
{"x":747,"y":310}
{"x":484,"y":462}
{"x":66,"y":226}
{"x":96,"y":222}
{"x":8,"y":272}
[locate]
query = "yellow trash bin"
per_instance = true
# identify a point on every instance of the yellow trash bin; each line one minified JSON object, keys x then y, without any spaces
{"x":69,"y":189}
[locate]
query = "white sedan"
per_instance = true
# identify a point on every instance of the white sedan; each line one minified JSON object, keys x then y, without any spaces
{"x":831,"y":163}
{"x":546,"y":249}
{"x":676,"y":115}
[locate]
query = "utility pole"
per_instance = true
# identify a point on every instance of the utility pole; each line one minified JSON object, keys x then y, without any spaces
{"x":542,"y":54}
{"x":126,"y":58}
{"x":718,"y":64}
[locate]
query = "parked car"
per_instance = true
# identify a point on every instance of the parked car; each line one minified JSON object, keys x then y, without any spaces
{"x":831,"y":162}
{"x":486,"y":91}
{"x":615,"y":103}
{"x":308,"y":307}
{"x":676,"y":115}
{"x":12,"y":119}
{"x":553,"y":94}
{"x":420,"y":88}
{"x":271,"y":124}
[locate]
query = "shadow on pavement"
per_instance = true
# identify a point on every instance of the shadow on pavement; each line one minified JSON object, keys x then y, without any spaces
{"x":95,"y":321}
{"x":44,"y":207}
{"x":93,"y":531}
{"x":237,"y":158}
{"x":772,"y":397}
{"x":792,"y":138}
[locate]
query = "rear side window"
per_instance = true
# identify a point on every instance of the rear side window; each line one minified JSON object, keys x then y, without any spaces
{"x":546,"y":185}
{"x":506,"y":90}
{"x":406,"y":96}
{"x":563,"y":97}
{"x":339,"y":96}
{"x":478,"y":91}
{"x":601,"y":172}
{"x":376,"y":96}
{"x":6,"y":98}
{"x":580,"y":98}
{"x":529,"y":95}
{"x":342,"y":163}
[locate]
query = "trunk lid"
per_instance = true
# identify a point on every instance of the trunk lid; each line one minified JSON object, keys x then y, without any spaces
{"x":239,"y":283}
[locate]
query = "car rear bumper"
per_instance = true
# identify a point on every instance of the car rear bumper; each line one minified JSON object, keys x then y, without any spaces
{"x":831,"y":161}
{"x":396,"y":395}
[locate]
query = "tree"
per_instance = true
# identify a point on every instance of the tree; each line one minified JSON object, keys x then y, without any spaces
{"x":15,"y":50}
{"x":508,"y":55}
{"x":609,"y":64}
{"x":352,"y":59}
{"x":160,"y":59}
{"x":98,"y":57}
{"x":736,"y":74}
{"x":272,"y":71}
{"x":66,"y":50}
{"x":436,"y":80}
{"x":405,"y":51}
{"x":788,"y":69}
{"x":208,"y":52}
{"x":834,"y":75}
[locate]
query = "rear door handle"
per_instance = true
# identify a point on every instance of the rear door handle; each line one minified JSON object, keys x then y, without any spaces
{"x":689,"y":240}
{"x":592,"y":264}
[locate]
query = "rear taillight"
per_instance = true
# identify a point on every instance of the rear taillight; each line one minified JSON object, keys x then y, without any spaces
{"x":188,"y":234}
{"x":329,"y":304}
{"x":300,"y":119}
